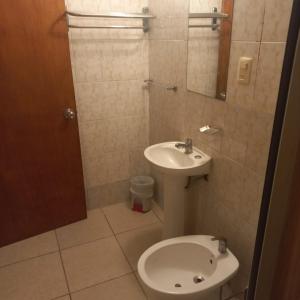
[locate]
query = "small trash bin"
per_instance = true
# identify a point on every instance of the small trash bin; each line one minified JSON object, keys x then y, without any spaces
{"x":142,"y":190}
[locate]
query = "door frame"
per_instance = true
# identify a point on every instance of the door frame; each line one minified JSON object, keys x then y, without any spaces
{"x":280,"y":169}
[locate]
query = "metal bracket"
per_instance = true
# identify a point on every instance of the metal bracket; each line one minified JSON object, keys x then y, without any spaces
{"x":214,"y":21}
{"x":146,"y":26}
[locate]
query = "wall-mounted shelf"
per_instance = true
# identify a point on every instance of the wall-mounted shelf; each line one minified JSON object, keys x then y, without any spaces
{"x":144,"y":16}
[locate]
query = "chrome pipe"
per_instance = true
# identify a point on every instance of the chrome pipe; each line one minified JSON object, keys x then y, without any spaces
{"x":208,"y":15}
{"x":214,"y":26}
{"x":106,"y":27}
{"x":116,"y":15}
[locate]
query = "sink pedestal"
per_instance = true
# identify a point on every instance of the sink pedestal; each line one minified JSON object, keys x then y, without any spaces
{"x":174,"y":194}
{"x":176,"y":165}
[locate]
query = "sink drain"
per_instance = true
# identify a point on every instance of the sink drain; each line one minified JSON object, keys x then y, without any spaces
{"x":177,"y":285}
{"x":198,"y":279}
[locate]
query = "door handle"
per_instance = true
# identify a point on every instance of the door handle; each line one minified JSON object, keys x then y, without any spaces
{"x":69,"y":114}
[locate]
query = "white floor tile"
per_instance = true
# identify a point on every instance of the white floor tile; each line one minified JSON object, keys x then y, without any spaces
{"x":94,"y":263}
{"x":122,"y":218}
{"x":124,"y":288}
{"x":29,"y":248}
{"x":135,"y":242}
{"x":93,"y":228}
{"x":40,"y":278}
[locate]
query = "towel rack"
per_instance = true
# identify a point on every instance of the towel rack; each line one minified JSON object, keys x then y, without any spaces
{"x":214,"y":16}
{"x":144,"y":16}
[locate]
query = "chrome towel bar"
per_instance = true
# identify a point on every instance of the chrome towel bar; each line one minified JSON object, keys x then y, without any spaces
{"x":211,"y":15}
{"x":107,"y":27}
{"x":214,"y":26}
{"x":115,"y":15}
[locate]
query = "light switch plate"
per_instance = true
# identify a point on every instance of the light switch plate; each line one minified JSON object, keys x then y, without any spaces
{"x":244,"y":70}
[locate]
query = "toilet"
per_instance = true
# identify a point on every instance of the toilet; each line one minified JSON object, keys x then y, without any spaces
{"x":187,"y":268}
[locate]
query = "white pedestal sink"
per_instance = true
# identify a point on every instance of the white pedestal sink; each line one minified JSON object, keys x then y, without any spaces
{"x":176,"y":167}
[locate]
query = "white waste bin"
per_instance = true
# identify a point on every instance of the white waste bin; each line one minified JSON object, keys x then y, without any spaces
{"x":142,"y":190}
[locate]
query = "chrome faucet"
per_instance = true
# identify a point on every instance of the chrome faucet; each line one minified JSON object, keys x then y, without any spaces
{"x":222,"y":244}
{"x":187,"y":146}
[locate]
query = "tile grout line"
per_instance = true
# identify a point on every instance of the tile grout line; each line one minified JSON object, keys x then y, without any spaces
{"x":134,"y":271}
{"x":29,"y":258}
{"x":59,"y":297}
{"x":137,"y":228}
{"x":88,"y":242}
{"x":139,"y":283}
{"x":62,"y":263}
{"x":100,"y":283}
{"x":115,"y":236}
{"x":113,"y":233}
{"x":59,"y":251}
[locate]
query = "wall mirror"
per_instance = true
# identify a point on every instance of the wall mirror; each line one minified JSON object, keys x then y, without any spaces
{"x":209,"y":38}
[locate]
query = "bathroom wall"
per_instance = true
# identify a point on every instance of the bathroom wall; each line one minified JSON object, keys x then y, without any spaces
{"x":109,"y":67}
{"x":229,"y":203}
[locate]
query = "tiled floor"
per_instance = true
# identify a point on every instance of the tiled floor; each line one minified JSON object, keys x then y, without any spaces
{"x":92,"y":259}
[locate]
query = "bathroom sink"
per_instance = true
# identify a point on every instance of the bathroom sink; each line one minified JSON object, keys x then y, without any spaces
{"x":170,"y":160}
{"x":187,"y":267}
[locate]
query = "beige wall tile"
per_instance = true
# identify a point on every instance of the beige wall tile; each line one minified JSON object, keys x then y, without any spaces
{"x":247,"y":20}
{"x":93,"y":263}
{"x":111,"y":99}
{"x":108,"y":194}
{"x":137,"y":132}
{"x":39,"y":278}
{"x":98,"y":60}
{"x":168,"y":28}
{"x":135,"y":242}
{"x":167,"y":111}
{"x":138,"y":165}
{"x":251,"y":200}
{"x":93,"y":228}
{"x":109,"y":168}
{"x":268,"y":76}
{"x":169,"y":8}
{"x":29,"y":248}
{"x":121,"y":218}
{"x":104,"y":136}
{"x":234,"y":150}
{"x":276,"y":20}
{"x":125,"y":287}
{"x":259,"y":143}
{"x":168,"y":62}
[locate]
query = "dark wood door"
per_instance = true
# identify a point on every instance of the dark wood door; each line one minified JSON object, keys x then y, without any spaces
{"x":286,"y":284}
{"x":41,"y":180}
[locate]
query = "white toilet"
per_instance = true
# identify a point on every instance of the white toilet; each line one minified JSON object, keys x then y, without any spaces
{"x":187,"y":267}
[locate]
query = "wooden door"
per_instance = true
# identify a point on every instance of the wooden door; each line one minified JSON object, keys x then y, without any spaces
{"x":287,"y":277}
{"x":41,"y":181}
